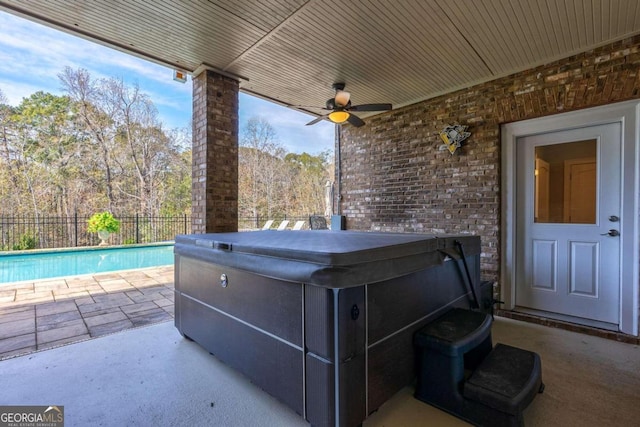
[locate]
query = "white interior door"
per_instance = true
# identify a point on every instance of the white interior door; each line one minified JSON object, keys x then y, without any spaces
{"x":567,"y":222}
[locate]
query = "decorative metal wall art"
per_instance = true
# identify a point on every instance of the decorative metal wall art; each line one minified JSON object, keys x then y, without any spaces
{"x":453,"y":135}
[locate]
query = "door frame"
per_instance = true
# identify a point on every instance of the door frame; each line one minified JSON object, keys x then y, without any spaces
{"x":628,"y":115}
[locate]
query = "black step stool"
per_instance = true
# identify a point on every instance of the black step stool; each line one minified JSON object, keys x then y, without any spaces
{"x":462,"y":374}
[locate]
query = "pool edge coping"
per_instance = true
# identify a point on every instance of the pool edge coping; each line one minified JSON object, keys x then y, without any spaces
{"x":13,"y":285}
{"x":83,"y":248}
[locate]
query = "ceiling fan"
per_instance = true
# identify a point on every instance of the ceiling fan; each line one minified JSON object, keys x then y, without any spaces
{"x":341,"y":108}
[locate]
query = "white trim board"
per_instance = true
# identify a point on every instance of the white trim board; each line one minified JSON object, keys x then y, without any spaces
{"x":628,"y":114}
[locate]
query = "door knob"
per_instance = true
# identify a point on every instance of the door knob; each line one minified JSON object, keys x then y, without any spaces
{"x":614,"y":218}
{"x":612,"y":233}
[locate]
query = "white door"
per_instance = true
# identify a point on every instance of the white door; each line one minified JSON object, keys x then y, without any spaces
{"x":567,"y":243}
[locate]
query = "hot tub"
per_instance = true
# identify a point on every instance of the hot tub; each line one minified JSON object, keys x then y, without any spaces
{"x":322,"y":320}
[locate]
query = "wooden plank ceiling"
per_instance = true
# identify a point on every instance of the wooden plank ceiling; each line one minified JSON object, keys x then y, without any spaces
{"x":396,"y":51}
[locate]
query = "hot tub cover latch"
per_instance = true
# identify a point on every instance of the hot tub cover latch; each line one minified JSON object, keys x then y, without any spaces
{"x":222,"y":246}
{"x":355,"y":312}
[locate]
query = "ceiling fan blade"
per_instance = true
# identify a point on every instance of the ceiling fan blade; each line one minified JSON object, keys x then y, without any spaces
{"x":315,"y":107}
{"x":355,"y":120}
{"x":316,"y":120}
{"x":342,"y":98}
{"x":371,"y":107}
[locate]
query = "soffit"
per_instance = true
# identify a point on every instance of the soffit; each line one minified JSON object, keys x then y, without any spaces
{"x":291,"y":51}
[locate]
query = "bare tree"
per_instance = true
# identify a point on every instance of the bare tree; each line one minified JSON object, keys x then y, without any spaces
{"x":262,"y":173}
{"x":6,"y":150}
{"x":310,"y":178}
{"x":141,"y":135}
{"x":93,"y":113}
{"x":101,"y":147}
{"x":122,"y":124}
{"x":273,"y":183}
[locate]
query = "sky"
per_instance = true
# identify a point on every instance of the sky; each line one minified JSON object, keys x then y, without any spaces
{"x":32,"y":56}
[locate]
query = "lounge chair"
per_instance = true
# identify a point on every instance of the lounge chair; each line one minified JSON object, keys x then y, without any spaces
{"x":283,"y":225}
{"x":267,"y":225}
{"x":298,"y":225}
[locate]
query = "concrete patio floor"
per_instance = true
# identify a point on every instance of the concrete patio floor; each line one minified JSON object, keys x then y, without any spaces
{"x":151,"y":375}
{"x":49,"y":313}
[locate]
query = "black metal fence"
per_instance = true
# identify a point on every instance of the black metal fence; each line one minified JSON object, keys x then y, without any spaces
{"x":20,"y":232}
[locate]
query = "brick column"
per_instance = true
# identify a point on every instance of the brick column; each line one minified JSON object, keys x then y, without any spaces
{"x":214,"y":188}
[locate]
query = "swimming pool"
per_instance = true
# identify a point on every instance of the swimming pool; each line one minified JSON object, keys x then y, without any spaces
{"x":72,"y":262}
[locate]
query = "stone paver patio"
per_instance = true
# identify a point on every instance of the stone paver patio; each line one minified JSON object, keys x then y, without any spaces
{"x":49,"y":313}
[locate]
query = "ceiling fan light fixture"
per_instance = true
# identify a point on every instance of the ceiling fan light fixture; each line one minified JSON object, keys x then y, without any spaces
{"x":342,"y":98}
{"x":338,"y":116}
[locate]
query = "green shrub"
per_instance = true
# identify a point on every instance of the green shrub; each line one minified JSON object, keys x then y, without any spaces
{"x":27,"y":241}
{"x":103,"y":221}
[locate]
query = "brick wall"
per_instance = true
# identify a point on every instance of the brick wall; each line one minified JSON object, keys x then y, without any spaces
{"x":394,"y":178}
{"x":214,"y":189}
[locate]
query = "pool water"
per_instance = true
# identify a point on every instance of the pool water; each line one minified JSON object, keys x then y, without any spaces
{"x":49,"y":264}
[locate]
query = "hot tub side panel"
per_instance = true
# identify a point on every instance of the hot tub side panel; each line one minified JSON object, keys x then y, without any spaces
{"x":396,"y":310}
{"x":335,"y":341}
{"x":375,"y":325}
{"x":252,"y":323}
